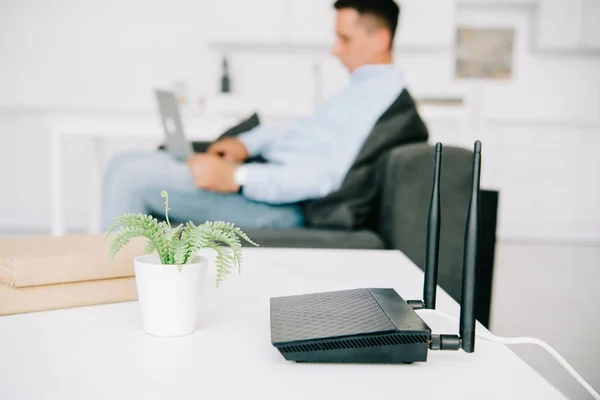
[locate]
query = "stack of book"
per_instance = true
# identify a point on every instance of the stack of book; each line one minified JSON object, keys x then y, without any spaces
{"x":49,"y":273}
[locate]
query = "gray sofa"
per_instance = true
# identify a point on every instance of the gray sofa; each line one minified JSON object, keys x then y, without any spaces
{"x":404,"y":182}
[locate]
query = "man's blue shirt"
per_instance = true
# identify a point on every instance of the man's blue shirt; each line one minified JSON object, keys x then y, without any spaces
{"x":308,"y":158}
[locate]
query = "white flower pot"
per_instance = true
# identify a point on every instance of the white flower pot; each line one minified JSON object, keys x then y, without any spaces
{"x":170,"y":297}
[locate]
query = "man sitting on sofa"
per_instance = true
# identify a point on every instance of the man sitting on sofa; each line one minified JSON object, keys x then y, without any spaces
{"x":306,"y":159}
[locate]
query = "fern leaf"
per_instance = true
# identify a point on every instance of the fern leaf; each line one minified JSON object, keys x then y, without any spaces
{"x":173,"y":242}
{"x":241,"y":234}
{"x":226,"y":233}
{"x":192,"y":242}
{"x":170,"y":232}
{"x":228,"y":238}
{"x":229,"y":227}
{"x":150,"y":247}
{"x":129,"y":226}
{"x":223,"y":262}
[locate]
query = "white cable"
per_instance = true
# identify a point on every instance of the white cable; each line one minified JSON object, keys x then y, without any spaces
{"x":525,"y":340}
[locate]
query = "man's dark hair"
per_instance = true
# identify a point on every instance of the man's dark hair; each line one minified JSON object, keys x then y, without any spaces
{"x":386,"y":11}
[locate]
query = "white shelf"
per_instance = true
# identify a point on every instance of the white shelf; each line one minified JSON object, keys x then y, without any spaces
{"x":427,"y":23}
{"x":309,"y":25}
{"x":567,"y":35}
{"x":558,"y":27}
{"x":568,"y":26}
{"x":318,"y":48}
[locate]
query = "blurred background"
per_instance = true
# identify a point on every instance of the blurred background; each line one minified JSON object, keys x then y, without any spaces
{"x":522,"y":76}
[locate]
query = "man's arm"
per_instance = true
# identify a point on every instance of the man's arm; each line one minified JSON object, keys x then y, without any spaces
{"x":280,"y":184}
{"x":255,"y":139}
{"x":246,"y":145}
{"x":268,"y":183}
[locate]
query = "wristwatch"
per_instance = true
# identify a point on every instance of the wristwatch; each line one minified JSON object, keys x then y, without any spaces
{"x":239,"y":177}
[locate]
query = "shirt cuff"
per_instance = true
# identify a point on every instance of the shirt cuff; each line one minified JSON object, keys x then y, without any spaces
{"x":240,"y":175}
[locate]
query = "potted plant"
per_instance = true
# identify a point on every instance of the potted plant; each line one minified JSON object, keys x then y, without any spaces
{"x":170,"y":274}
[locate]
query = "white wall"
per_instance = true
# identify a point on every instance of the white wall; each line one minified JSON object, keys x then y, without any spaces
{"x":539,"y":129}
{"x":96,"y":55}
{"x":71,"y":57}
{"x":550,"y":293}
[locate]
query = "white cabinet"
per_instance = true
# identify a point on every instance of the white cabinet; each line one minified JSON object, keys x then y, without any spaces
{"x":591,"y":24}
{"x":568,"y":25}
{"x":309,"y":21}
{"x":426,"y":23}
{"x":243,"y":21}
{"x":559,"y":24}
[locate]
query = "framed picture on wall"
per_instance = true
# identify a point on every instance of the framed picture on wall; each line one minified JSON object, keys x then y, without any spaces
{"x":483,"y":53}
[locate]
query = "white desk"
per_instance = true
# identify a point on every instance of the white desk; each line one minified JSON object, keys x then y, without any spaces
{"x":100,"y":127}
{"x":102,"y":352}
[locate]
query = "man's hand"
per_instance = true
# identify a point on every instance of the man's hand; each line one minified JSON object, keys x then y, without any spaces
{"x":231,"y":149}
{"x":213,"y":173}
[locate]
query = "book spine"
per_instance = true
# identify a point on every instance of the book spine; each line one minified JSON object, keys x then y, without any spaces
{"x":68,"y":295}
{"x":7,"y":272}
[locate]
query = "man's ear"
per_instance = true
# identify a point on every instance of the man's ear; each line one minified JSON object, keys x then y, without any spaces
{"x":383,"y":39}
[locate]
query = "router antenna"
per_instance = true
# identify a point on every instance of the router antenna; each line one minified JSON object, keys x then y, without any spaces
{"x":433,"y":235}
{"x":467,"y":307}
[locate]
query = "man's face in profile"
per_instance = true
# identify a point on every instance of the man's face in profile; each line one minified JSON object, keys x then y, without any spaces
{"x":358,"y":41}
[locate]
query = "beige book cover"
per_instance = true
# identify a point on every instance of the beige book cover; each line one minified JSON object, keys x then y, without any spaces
{"x":65,"y":295}
{"x":47,"y":260}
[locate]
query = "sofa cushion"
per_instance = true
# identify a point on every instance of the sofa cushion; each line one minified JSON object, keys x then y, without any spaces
{"x":353,"y":206}
{"x":315,"y":238}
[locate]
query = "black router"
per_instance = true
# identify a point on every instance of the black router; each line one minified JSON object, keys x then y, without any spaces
{"x":377,"y":325}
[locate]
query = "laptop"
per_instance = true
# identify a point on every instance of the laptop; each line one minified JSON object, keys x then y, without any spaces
{"x":176,"y":144}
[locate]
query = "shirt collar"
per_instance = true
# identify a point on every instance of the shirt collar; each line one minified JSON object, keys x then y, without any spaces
{"x":368,"y":71}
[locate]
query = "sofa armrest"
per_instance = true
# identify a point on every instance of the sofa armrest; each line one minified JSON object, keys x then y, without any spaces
{"x":407,"y":178}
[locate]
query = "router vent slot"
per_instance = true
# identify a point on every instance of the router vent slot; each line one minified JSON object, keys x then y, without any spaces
{"x":341,"y":344}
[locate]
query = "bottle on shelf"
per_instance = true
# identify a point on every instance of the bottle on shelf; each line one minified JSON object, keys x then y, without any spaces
{"x":225,"y":80}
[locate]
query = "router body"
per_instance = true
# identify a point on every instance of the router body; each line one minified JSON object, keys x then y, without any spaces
{"x":348,"y":326}
{"x":363,"y":326}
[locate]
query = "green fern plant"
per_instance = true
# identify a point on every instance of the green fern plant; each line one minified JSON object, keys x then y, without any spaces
{"x":177,"y":245}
